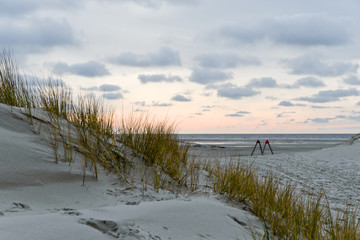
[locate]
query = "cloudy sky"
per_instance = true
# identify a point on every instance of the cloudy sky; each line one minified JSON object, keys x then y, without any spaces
{"x":212,"y":66}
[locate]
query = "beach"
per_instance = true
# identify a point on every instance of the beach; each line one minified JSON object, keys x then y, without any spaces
{"x":322,"y":163}
{"x":237,"y":145}
{"x":40,"y":199}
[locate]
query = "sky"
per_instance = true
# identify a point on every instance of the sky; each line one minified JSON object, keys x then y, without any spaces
{"x":210,"y":66}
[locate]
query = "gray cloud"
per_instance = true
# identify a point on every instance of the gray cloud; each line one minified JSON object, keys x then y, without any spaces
{"x":234,"y":115}
{"x":110,"y":92}
{"x":265,"y":82}
{"x":314,"y":65}
{"x":290,"y":104}
{"x":354,"y":118}
{"x":271,"y":98}
{"x":180,"y":98}
{"x":358,"y":103}
{"x":330,"y":95}
{"x":140,"y":103}
{"x":109,"y":88}
{"x":320,"y":120}
{"x":352,"y":80}
{"x":309,"y":82}
{"x":155,"y":104}
{"x":238,"y":114}
{"x":36,"y":35}
{"x":319,"y":107}
{"x":326,"y":120}
{"x":103,"y":88}
{"x":158,"y":78}
{"x":284,"y":114}
{"x":160,"y":3}
{"x":234,"y":92}
{"x":215,"y":60}
{"x":163,"y":57}
{"x":243,"y":112}
{"x":113,"y":96}
{"x":208,"y":76}
{"x":300,"y":29}
{"x":86,"y":69}
{"x":21,"y":7}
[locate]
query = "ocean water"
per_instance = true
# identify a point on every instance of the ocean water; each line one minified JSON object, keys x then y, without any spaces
{"x":279,"y":143}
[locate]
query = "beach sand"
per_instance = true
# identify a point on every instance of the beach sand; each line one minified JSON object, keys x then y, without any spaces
{"x":245,"y":149}
{"x":40,"y":199}
{"x":316,"y":167}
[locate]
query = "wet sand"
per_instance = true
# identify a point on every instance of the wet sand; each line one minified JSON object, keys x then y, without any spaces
{"x":246,"y":149}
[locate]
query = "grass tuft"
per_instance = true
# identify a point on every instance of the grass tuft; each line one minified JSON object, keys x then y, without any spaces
{"x":159,"y":146}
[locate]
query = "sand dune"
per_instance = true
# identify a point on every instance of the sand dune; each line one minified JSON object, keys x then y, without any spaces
{"x":40,"y":199}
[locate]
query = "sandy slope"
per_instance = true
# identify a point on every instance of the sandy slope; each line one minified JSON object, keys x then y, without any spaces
{"x":40,"y":199}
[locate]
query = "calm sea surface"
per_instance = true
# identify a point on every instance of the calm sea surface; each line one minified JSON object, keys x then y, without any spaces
{"x":280,"y":143}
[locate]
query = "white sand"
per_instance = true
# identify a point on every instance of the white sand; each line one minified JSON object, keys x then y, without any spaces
{"x":40,"y":199}
{"x":334,"y":170}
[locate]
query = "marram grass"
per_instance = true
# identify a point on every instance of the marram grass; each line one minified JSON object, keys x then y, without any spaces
{"x":287,"y":213}
{"x":158,"y":145}
{"x":85,"y":126}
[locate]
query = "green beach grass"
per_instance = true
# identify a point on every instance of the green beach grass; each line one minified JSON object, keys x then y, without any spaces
{"x":85,"y":126}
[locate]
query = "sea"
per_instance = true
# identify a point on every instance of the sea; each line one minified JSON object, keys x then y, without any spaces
{"x":246,"y":144}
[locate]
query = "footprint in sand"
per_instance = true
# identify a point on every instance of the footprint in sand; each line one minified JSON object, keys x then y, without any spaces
{"x":18,"y":207}
{"x":120,"y":231}
{"x":71,"y":212}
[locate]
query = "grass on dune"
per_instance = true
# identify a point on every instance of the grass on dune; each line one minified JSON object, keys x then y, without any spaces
{"x":158,"y":145}
{"x":85,"y":126}
{"x":288,"y":214}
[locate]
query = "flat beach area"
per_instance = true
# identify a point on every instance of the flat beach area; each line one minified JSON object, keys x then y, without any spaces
{"x":331,"y":166}
{"x":278,"y":146}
